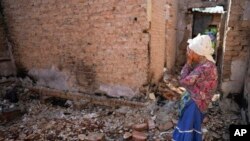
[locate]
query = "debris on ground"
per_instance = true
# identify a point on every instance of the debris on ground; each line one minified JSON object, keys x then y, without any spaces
{"x":24,"y":115}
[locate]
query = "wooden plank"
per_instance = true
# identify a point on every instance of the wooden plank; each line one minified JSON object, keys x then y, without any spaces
{"x":9,"y":115}
{"x":74,"y":96}
{"x":7,"y":81}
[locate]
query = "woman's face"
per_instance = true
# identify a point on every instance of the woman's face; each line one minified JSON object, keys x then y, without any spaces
{"x":192,"y":55}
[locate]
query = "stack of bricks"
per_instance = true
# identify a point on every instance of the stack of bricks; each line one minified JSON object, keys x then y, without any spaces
{"x":94,"y":41}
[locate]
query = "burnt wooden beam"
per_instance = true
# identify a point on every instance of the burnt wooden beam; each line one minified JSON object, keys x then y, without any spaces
{"x":9,"y":115}
{"x":76,"y":96}
{"x":7,"y":81}
{"x":3,"y":59}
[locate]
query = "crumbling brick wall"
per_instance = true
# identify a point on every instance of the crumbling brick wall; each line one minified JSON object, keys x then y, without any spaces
{"x":171,"y":29}
{"x":185,"y":22}
{"x":236,"y":46}
{"x":91,"y":42}
{"x":157,"y":40}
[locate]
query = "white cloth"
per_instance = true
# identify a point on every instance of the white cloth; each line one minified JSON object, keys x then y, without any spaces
{"x":202,"y":45}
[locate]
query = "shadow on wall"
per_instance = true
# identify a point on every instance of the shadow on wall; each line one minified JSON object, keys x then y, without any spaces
{"x":52,"y":78}
{"x":85,"y":78}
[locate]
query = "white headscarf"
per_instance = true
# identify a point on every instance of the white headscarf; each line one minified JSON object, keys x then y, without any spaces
{"x":202,"y":45}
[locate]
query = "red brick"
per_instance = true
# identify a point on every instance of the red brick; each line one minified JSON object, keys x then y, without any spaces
{"x":140,"y":127}
{"x":139,"y":136}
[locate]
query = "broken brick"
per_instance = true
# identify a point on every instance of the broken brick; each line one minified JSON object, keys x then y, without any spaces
{"x":139,"y":136}
{"x":205,"y":120}
{"x":166,"y":126}
{"x":140,"y":127}
{"x":151,"y":124}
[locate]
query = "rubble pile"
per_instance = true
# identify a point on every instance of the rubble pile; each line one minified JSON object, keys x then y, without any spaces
{"x":216,"y":123}
{"x":56,"y":119}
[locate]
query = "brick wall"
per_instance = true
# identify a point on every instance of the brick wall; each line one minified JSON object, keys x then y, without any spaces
{"x":185,"y":23}
{"x":91,"y":41}
{"x":236,"y":45}
{"x":171,"y":29}
{"x":157,"y":40}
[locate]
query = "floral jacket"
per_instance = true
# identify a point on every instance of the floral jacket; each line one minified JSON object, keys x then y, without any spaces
{"x":200,"y":82}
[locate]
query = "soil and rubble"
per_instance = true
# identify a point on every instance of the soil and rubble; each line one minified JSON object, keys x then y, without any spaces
{"x":26,"y":116}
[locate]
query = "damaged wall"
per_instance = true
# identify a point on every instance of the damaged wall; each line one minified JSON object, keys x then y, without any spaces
{"x":171,"y":27}
{"x":6,"y":66}
{"x":157,"y":40}
{"x":236,"y":46}
{"x":234,"y":54}
{"x":185,"y":22}
{"x":91,"y":42}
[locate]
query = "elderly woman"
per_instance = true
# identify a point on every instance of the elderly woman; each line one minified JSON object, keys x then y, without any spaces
{"x":199,"y":77}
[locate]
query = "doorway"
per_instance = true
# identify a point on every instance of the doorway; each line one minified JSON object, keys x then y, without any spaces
{"x":211,"y":21}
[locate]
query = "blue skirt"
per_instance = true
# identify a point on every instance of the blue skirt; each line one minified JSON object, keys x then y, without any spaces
{"x":189,"y":124}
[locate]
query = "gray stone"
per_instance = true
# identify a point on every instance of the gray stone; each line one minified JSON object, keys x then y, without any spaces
{"x":127,"y":135}
{"x":214,"y":134}
{"x":246,"y":14}
{"x":225,"y":137}
{"x":228,"y":105}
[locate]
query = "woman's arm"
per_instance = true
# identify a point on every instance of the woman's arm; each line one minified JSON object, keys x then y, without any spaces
{"x":189,"y":78}
{"x":188,"y":66}
{"x":185,"y":70}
